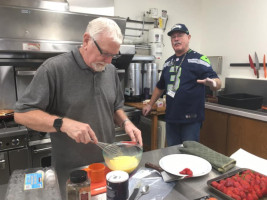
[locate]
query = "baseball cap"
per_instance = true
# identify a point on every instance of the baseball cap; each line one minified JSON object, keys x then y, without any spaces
{"x":178,"y":27}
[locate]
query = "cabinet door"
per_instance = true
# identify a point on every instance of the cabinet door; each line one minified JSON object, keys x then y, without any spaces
{"x":213,"y":133}
{"x":248,"y":134}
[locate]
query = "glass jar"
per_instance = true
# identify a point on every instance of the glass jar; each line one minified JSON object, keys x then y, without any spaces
{"x":78,"y":186}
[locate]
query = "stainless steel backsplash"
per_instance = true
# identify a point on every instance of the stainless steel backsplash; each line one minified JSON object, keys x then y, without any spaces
{"x":7,"y":87}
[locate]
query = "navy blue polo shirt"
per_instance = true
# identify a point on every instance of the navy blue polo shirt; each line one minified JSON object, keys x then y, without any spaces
{"x":188,"y":104}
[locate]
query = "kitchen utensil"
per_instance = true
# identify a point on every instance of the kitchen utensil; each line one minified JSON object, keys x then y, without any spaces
{"x":129,"y":158}
{"x":144,"y":190}
{"x":98,"y":187}
{"x":96,"y":172}
{"x":257,"y":64}
{"x":264,"y":67}
{"x":135,"y":192}
{"x":109,"y":148}
{"x":252,"y":64}
{"x":167,"y":177}
{"x":175,"y":163}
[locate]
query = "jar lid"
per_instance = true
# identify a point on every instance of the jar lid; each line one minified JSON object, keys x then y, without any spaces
{"x":117,"y":176}
{"x":78,"y":176}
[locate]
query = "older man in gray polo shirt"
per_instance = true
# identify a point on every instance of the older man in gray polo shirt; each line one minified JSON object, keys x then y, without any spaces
{"x":77,"y":97}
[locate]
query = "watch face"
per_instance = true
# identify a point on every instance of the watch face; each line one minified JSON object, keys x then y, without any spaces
{"x":58,"y":124}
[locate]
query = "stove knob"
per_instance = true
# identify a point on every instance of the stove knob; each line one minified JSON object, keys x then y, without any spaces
{"x":15,"y":142}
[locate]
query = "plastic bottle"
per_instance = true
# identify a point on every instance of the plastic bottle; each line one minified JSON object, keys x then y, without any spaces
{"x":78,"y":186}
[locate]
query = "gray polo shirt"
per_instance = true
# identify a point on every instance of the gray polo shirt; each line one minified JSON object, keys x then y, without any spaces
{"x":64,"y":85}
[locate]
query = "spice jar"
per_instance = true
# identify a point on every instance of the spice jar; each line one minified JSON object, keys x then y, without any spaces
{"x":78,"y":186}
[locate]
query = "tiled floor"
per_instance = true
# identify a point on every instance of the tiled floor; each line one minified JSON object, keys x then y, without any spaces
{"x":3,"y":191}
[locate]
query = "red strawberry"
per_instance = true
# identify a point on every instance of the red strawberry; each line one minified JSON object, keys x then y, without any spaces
{"x":187,"y":171}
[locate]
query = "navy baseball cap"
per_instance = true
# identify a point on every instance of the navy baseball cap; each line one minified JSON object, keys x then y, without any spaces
{"x":178,"y":27}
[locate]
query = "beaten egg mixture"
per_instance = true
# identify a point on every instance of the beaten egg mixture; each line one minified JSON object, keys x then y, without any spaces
{"x":124,"y":163}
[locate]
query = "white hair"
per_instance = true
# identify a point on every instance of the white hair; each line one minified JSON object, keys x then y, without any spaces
{"x":104,"y":26}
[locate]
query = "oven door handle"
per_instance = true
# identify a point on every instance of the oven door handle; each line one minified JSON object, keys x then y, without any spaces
{"x":25,"y":73}
{"x":2,"y":164}
{"x":42,"y":150}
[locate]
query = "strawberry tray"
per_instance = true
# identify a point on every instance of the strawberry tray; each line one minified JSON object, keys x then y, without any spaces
{"x":242,"y":183}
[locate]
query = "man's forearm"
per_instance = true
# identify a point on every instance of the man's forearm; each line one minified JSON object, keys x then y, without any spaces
{"x":155,"y":96}
{"x":37,"y":120}
{"x":120,"y":117}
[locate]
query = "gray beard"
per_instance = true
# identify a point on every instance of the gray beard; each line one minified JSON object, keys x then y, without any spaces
{"x":99,"y":66}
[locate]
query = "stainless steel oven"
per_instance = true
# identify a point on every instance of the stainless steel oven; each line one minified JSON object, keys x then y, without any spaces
{"x":14,"y":153}
{"x":40,"y":151}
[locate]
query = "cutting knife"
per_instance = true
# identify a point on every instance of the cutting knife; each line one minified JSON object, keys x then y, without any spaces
{"x":264,"y":67}
{"x":252,"y":64}
{"x":167,"y":177}
{"x":257,"y":64}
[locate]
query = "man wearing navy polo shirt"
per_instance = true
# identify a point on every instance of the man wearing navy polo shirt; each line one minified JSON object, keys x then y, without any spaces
{"x":184,"y":77}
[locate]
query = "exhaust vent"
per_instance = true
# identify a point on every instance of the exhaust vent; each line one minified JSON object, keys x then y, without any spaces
{"x":57,"y":5}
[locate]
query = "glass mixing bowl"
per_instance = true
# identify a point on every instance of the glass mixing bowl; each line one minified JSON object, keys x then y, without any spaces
{"x":130,"y":154}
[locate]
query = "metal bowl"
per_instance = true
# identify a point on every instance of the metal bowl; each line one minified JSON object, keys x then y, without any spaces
{"x":128,"y":158}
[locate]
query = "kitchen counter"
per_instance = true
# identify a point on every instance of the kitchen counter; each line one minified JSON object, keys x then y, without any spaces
{"x":183,"y":190}
{"x":252,"y":114}
{"x":155,"y":112}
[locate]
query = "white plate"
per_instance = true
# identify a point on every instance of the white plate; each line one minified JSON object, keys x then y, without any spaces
{"x":175,"y":163}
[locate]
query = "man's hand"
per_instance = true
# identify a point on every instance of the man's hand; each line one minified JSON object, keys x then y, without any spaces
{"x":133,"y":132}
{"x":146,"y":109}
{"x":208,"y":82}
{"x":78,"y":131}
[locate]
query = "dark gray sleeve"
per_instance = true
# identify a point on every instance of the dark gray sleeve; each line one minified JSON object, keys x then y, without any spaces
{"x":39,"y":92}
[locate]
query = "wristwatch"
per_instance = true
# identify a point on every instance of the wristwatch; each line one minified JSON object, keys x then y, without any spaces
{"x":58,"y":123}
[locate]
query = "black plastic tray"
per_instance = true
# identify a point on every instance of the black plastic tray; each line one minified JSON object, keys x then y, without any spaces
{"x":224,"y":176}
{"x":241,"y":100}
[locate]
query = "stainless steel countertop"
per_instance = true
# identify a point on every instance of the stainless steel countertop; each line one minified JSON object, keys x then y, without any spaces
{"x":252,"y":114}
{"x":186,"y":189}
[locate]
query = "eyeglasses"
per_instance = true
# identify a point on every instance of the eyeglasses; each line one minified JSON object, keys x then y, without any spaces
{"x":106,"y":55}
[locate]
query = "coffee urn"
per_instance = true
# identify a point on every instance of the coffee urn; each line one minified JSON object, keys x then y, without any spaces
{"x":133,"y":82}
{"x":150,"y":79}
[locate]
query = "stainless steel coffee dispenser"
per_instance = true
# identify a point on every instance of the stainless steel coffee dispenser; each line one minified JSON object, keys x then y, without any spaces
{"x":133,"y":82}
{"x":150,"y":79}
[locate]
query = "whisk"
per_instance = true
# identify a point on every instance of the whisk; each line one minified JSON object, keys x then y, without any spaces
{"x":111,"y":149}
